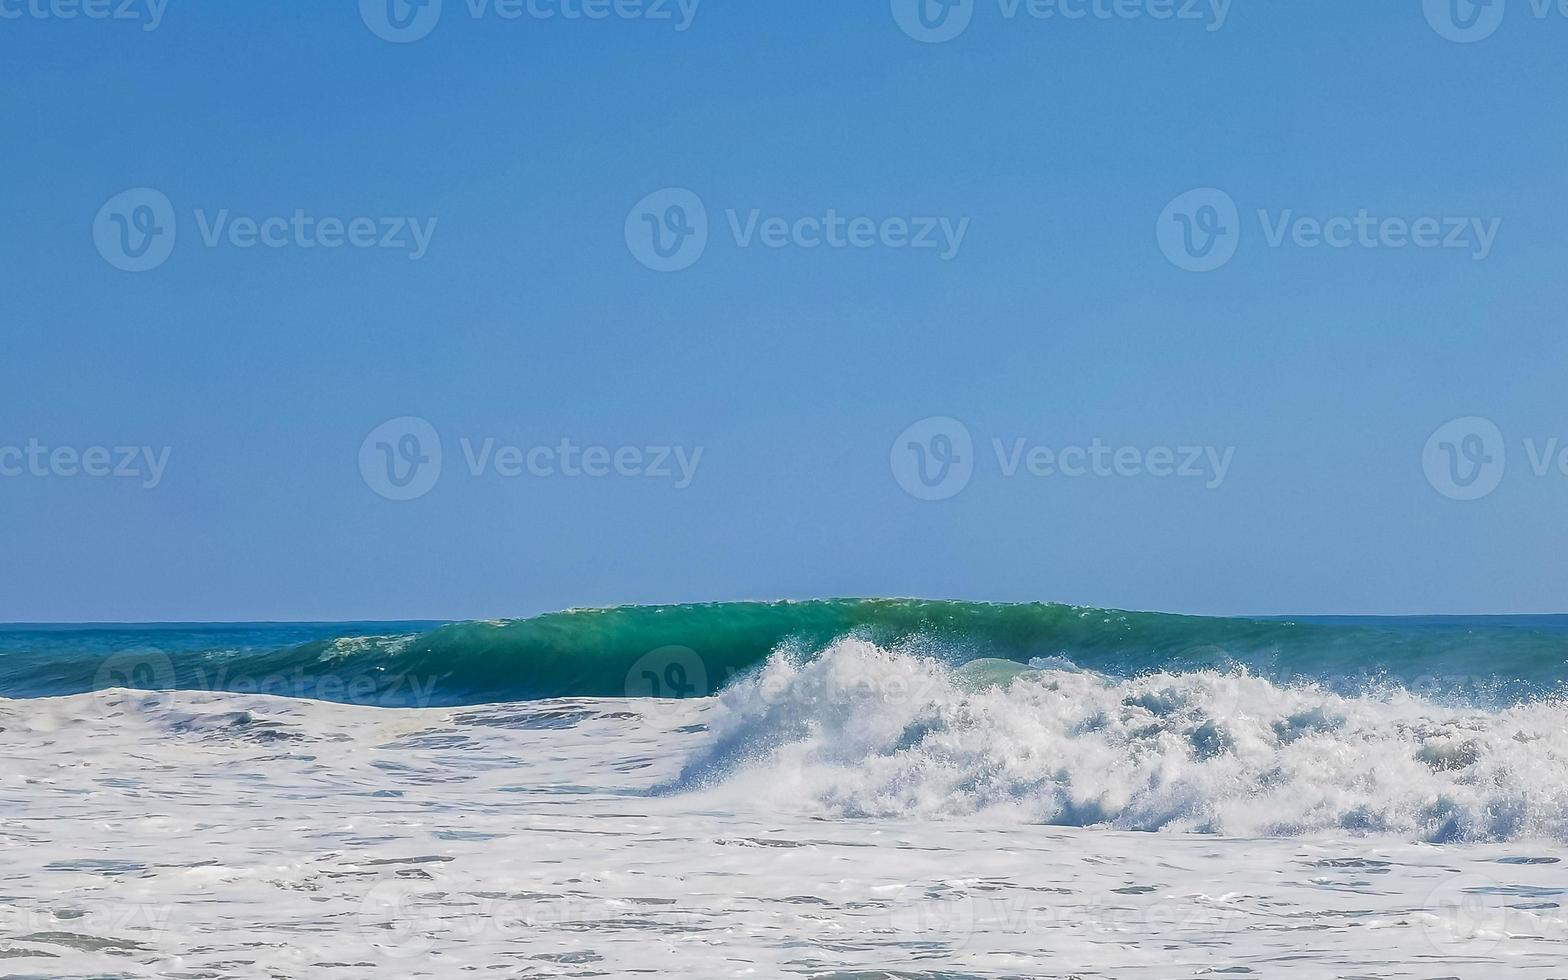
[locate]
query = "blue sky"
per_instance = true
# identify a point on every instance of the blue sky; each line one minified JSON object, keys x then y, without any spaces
{"x":531,"y":150}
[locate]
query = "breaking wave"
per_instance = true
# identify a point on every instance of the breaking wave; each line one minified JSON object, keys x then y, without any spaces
{"x":862,"y":730}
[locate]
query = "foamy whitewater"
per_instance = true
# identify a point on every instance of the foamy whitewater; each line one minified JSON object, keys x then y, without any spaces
{"x":929,"y":791}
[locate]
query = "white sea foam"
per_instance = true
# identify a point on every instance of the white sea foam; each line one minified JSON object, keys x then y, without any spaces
{"x":245,"y":836}
{"x":862,"y":731}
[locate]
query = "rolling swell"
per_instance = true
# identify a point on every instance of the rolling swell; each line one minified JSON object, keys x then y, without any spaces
{"x":694,"y":650}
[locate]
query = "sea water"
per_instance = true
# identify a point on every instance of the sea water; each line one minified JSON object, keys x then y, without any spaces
{"x":859,"y":788}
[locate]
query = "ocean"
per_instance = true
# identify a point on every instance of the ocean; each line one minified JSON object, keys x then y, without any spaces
{"x":830,"y":789}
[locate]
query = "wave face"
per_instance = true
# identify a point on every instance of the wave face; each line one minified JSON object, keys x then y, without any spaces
{"x":865,"y":731}
{"x":694,"y":650}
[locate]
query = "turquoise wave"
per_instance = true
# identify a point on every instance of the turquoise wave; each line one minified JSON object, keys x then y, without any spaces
{"x":694,"y":649}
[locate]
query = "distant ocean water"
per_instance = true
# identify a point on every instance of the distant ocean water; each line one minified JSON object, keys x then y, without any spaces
{"x":841,"y":788}
{"x":1483,"y":661}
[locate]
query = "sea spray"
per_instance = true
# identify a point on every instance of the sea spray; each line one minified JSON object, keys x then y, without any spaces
{"x":862,"y":731}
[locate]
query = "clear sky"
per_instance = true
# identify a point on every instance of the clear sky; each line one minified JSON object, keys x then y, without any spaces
{"x":1036,"y":286}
